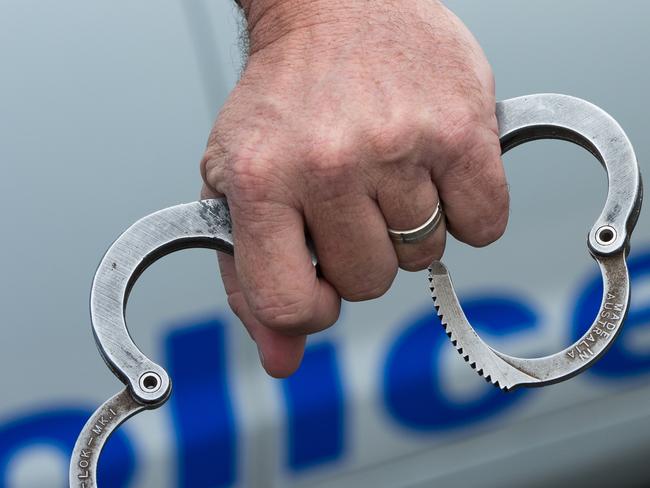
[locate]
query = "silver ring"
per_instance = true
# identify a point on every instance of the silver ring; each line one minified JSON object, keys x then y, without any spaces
{"x":417,"y":234}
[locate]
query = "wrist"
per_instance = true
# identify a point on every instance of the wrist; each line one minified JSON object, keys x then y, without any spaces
{"x":310,"y":20}
{"x":270,"y":20}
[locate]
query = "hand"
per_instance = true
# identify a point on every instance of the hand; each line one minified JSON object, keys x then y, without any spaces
{"x":350,"y":117}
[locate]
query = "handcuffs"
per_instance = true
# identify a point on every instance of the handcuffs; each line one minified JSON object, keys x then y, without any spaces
{"x":207,"y":224}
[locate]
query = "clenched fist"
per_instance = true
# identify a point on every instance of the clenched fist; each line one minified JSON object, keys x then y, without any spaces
{"x":350,"y":118}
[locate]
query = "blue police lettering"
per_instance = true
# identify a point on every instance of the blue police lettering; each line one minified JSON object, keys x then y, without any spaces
{"x":205,"y":422}
{"x":412,"y":392}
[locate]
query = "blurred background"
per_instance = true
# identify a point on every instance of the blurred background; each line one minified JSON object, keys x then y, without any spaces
{"x":105,"y":108}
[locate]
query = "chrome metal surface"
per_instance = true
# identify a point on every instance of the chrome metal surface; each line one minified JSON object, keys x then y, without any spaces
{"x":198,"y":224}
{"x":551,"y":116}
{"x":419,"y":233}
{"x":207,"y":224}
{"x":93,"y":437}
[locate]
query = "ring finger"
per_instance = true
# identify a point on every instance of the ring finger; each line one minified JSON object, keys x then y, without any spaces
{"x":408,"y":204}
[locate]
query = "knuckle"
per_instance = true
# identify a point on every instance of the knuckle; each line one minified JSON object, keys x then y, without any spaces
{"x":418,"y":263}
{"x":393,"y":141}
{"x":368,"y":288}
{"x":414,"y":264}
{"x":473,"y":155}
{"x":367,"y":292}
{"x":483,"y":237}
{"x":400,"y":137}
{"x":492,"y":227}
{"x":251,"y":179}
{"x":332,"y":159}
{"x":280,"y":311}
{"x":462,"y":129}
{"x":246,"y":171}
{"x":211,"y":165}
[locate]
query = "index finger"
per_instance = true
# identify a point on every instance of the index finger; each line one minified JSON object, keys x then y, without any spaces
{"x":275,"y":269}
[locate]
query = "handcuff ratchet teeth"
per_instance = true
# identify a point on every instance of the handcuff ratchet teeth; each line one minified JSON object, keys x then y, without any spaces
{"x":550,"y":116}
{"x":207,"y":224}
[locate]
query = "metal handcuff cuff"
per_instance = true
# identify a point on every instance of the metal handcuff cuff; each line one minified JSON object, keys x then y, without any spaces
{"x":207,"y":224}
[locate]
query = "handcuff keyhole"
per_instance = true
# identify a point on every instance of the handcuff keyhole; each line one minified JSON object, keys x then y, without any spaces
{"x":605,"y":235}
{"x":150,"y":382}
